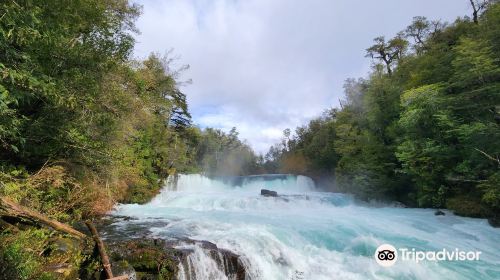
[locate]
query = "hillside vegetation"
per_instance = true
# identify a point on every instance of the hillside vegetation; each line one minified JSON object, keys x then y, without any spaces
{"x":423,"y":128}
{"x":83,"y":125}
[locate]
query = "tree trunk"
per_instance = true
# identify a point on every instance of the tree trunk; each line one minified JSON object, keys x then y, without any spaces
{"x":101,"y":248}
{"x":11,"y":209}
{"x":389,"y":70}
{"x":475,"y":11}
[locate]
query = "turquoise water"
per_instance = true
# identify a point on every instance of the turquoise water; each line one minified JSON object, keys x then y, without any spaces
{"x":307,"y":234}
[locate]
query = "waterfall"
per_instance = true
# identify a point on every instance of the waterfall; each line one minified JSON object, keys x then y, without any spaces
{"x":201,"y":265}
{"x":303,"y":233}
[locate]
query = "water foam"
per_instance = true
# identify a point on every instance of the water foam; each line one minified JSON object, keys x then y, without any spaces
{"x":305,"y":234}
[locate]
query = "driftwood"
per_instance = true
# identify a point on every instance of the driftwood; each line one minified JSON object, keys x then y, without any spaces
{"x":8,"y":208}
{"x":12,"y":209}
{"x":102,"y":250}
{"x":6,"y":225}
{"x":123,"y":277}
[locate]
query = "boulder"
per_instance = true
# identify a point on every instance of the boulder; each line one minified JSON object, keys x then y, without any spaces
{"x":439,"y":213}
{"x":64,"y":255}
{"x":398,"y":204}
{"x":494,"y":222}
{"x":228,"y":262}
{"x":149,"y":258}
{"x":265,"y":192}
{"x":121,"y":268}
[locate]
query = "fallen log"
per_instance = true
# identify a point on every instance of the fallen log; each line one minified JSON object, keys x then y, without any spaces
{"x":6,"y":225}
{"x":12,"y":209}
{"x":123,"y":277}
{"x":102,"y":250}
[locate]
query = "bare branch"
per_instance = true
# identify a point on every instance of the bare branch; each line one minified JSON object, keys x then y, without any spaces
{"x":497,"y":160}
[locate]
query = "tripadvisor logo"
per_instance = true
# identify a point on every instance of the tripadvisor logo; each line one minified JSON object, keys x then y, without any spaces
{"x":386,"y":255}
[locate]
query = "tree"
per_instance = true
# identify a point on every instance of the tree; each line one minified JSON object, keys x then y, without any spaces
{"x":224,"y":154}
{"x":162,"y":87}
{"x":353,"y":94}
{"x":475,"y":63}
{"x":477,"y":7}
{"x":424,"y":131}
{"x":424,"y":148}
{"x":420,"y":30}
{"x":388,"y":52}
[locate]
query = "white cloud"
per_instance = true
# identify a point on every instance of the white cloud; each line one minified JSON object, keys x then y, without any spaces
{"x":263,"y":65}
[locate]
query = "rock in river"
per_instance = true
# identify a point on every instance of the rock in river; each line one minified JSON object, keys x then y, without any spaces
{"x":265,"y":192}
{"x":439,"y":213}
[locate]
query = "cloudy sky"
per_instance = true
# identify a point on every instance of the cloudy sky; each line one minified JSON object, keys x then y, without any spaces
{"x":267,"y":65}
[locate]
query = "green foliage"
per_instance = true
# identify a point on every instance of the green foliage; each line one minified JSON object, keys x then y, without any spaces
{"x":474,"y":63}
{"x":70,"y":97}
{"x":424,"y":151}
{"x":82,"y":126}
{"x":309,"y":152}
{"x":491,"y":189}
{"x":425,"y":131}
{"x":53,"y":58}
{"x":51,"y":191}
{"x":224,"y":154}
{"x":32,"y":254}
{"x":84,"y":121}
{"x":19,"y":255}
{"x":388,"y":52}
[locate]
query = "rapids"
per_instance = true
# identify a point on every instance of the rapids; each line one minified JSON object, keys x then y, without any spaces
{"x":308,"y":234}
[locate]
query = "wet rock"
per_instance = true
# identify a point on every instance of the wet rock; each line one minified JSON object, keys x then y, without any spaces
{"x":228,"y":262}
{"x":122,"y":267}
{"x":298,"y":275}
{"x":123,"y":228}
{"x":398,"y":204}
{"x":66,"y":246}
{"x":265,"y":192}
{"x":160,"y":259}
{"x":494,"y":221}
{"x":439,"y":213}
{"x":150,"y":258}
{"x":231,"y":263}
{"x":63,"y":254}
{"x":62,"y":270}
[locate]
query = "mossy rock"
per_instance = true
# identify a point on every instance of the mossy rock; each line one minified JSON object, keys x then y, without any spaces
{"x":466,"y":206}
{"x":494,"y":222}
{"x":122,"y":267}
{"x":150,"y":258}
{"x":39,"y":254}
{"x":64,"y":256}
{"x":148,"y":276}
{"x":64,"y":246}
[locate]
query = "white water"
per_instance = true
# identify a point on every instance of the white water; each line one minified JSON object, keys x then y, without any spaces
{"x":310,"y":235}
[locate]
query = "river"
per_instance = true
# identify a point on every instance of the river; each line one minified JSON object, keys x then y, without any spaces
{"x":308,"y":234}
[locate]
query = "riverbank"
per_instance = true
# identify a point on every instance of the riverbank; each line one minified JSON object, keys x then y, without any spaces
{"x":304,"y":233}
{"x":463,"y":206}
{"x":135,"y":251}
{"x":198,"y":225}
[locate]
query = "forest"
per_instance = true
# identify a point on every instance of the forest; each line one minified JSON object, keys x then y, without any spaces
{"x":85,"y":125}
{"x":423,"y":128}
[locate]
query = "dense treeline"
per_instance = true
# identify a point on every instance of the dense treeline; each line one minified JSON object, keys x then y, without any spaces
{"x":224,"y":154}
{"x":83,"y":125}
{"x":74,"y":103}
{"x":423,"y":128}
